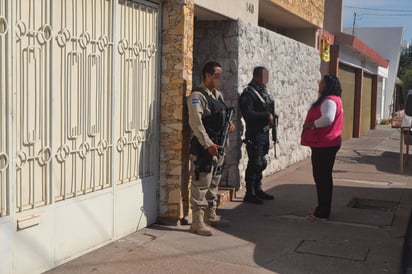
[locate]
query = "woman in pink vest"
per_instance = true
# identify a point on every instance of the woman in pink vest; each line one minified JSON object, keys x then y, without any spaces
{"x":322,"y":133}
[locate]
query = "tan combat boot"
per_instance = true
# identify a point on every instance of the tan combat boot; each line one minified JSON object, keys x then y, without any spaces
{"x":211,"y":218}
{"x":198,"y":226}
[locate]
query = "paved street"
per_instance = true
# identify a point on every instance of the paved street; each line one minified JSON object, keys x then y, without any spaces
{"x":366,"y":232}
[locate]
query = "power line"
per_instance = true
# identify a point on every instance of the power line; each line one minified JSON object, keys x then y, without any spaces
{"x":375,"y":9}
{"x":376,"y":12}
{"x":382,"y":14}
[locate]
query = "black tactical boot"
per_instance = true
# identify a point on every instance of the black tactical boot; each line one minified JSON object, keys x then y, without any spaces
{"x":261,"y":194}
{"x":250,"y":196}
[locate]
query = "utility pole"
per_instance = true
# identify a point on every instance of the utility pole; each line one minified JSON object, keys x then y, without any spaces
{"x":354,"y":22}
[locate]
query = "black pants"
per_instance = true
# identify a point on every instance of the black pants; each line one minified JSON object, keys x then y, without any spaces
{"x":323,"y":160}
{"x":257,"y":147}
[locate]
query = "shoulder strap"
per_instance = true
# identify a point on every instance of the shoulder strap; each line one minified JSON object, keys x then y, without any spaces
{"x":264,"y":104}
{"x":207,"y":95}
{"x":201,"y":90}
{"x":257,"y":94}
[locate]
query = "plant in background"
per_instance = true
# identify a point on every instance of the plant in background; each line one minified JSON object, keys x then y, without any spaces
{"x":385,"y":122}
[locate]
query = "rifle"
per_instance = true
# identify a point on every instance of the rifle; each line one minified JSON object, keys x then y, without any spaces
{"x":224,"y":138}
{"x":275,"y":133}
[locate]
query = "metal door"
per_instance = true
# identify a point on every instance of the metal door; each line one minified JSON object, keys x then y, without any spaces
{"x":366,"y":103}
{"x":347,"y":78}
{"x":136,"y":126}
{"x":79,"y":109}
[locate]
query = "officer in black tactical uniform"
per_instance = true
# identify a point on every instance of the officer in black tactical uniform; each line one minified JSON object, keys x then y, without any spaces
{"x":258,"y":110}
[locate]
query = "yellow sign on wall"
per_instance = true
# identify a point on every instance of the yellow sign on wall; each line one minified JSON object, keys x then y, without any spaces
{"x":325,"y":49}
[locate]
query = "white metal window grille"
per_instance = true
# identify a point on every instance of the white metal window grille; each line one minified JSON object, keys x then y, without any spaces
{"x":78,"y":123}
{"x":83,"y":76}
{"x":4,"y":157}
{"x":137,"y":54}
{"x":32,"y":85}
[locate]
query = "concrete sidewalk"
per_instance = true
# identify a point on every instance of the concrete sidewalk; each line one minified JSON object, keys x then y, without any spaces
{"x":366,"y":233}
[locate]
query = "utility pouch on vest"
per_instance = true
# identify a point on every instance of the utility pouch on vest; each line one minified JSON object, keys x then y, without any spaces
{"x":204,"y":161}
{"x":195,"y":147}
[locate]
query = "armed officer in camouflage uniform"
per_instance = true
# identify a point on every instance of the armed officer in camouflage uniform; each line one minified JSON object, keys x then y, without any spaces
{"x":207,"y":112}
{"x":258,"y":110}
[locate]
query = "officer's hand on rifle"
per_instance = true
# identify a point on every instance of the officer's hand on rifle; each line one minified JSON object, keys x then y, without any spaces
{"x":213,"y":150}
{"x":232,"y":127}
{"x":271,"y":119}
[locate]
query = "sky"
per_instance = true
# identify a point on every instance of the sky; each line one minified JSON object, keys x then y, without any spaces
{"x":379,"y":13}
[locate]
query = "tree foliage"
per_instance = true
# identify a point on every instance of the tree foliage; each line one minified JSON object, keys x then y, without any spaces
{"x":405,"y":68}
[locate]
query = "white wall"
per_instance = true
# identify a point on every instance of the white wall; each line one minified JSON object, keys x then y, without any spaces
{"x":387,"y":42}
{"x":381,"y":99}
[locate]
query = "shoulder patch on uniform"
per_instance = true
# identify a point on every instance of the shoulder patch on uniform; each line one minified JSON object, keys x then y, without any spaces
{"x":195,"y":101}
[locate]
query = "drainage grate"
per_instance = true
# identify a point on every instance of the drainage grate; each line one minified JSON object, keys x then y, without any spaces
{"x":382,"y":205}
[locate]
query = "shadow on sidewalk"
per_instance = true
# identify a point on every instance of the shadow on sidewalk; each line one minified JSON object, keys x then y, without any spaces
{"x":365,"y":233}
{"x":362,"y":234}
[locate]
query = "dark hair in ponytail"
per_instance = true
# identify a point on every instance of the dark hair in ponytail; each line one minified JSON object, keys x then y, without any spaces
{"x":333,"y":87}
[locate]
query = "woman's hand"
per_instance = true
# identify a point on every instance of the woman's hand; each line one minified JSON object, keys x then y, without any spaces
{"x":308,"y":125}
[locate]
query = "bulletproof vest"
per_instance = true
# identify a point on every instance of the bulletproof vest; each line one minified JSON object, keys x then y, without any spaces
{"x":268,"y":103}
{"x":214,"y":122}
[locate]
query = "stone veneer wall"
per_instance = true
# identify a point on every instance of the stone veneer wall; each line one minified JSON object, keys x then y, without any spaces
{"x":311,"y":11}
{"x":293,"y":76}
{"x":177,"y":59}
{"x":293,"y":71}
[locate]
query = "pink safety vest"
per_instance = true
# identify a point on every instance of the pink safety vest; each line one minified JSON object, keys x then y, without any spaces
{"x":329,"y":136}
